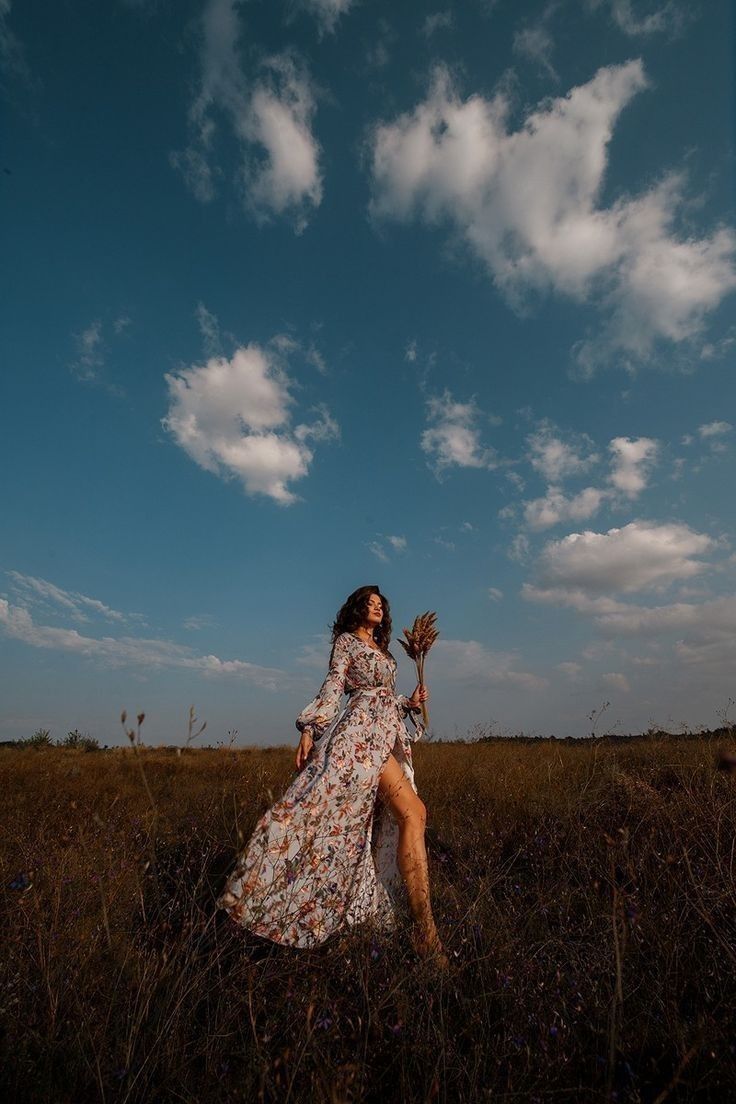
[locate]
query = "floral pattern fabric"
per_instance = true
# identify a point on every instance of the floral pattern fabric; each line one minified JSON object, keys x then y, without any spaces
{"x":324,"y":857}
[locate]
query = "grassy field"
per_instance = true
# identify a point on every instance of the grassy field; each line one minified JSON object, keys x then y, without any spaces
{"x":586,"y":892}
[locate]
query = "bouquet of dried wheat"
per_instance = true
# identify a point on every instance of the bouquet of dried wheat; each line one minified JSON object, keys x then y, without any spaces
{"x":418,"y":642}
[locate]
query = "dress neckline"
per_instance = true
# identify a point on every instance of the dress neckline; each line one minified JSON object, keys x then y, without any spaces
{"x":372,"y":647}
{"x":365,"y":643}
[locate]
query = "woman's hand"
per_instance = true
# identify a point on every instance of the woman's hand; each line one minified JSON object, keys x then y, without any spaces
{"x":421,"y":694}
{"x":305,"y":747}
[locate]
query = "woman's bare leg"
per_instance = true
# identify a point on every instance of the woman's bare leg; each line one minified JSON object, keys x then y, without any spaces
{"x":410,"y":812}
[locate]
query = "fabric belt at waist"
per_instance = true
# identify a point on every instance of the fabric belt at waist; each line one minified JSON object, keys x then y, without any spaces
{"x":369,"y":690}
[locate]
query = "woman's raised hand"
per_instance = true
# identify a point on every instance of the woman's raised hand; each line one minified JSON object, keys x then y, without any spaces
{"x":421,"y":694}
{"x":305,"y":747}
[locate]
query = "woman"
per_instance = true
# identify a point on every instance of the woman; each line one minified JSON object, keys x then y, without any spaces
{"x":332,"y":852}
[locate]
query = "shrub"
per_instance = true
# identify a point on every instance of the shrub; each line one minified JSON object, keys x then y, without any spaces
{"x":41,"y":738}
{"x":79,"y":741}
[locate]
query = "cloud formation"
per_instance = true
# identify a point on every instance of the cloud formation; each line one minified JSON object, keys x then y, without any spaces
{"x":91,"y":351}
{"x":586,"y":571}
{"x":556,"y":459}
{"x":232,"y":417}
{"x":632,"y":460}
{"x":270,"y":119}
{"x":128,"y":651}
{"x":32,"y":590}
{"x":470,"y":663}
{"x":14,"y":66}
{"x":714,"y":429}
{"x":438,"y":21}
{"x":640,"y":555}
{"x":452,"y":437}
{"x":327,"y":12}
{"x":527,"y":203}
{"x":534,"y":42}
{"x":668,"y":18}
{"x":390,"y":544}
{"x":555,"y":507}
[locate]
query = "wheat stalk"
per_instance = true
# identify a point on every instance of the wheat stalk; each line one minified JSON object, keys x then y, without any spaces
{"x":418,"y":642}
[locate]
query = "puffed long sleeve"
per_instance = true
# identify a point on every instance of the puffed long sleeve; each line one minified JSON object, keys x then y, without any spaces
{"x":411,"y":711}
{"x":405,"y":707}
{"x":322,"y":709}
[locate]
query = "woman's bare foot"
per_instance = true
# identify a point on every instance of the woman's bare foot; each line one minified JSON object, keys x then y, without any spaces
{"x":428,"y":946}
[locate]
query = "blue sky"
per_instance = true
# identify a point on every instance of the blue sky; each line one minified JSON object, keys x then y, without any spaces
{"x":302,"y":296}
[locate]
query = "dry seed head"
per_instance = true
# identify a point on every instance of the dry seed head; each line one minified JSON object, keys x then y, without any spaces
{"x":421,"y":637}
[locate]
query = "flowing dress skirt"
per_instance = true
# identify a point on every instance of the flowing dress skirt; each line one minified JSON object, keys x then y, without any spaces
{"x":324,"y":857}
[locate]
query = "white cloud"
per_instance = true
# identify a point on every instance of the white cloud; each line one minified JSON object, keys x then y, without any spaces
{"x":639,"y":555}
{"x":519,"y":548}
{"x":209,"y":327}
{"x":393,"y":543}
{"x":614,"y":680}
{"x":470,"y":663}
{"x":705,"y":632}
{"x":199,"y":621}
{"x":270,"y":118}
{"x":378,"y":53}
{"x":288,"y":177}
{"x":438,"y":21}
{"x":316,"y":653}
{"x":714,"y":429}
{"x":316,"y":359}
{"x":632,"y":460}
{"x":528,"y":204}
{"x":139,"y":652}
{"x":232,"y":418}
{"x":410,"y":353}
{"x":495,"y":594}
{"x":33,"y":590}
{"x":715,"y":619}
{"x":90,"y":357}
{"x":535,"y":42}
{"x":555,"y":506}
{"x":702,"y":635}
{"x":554,"y":458}
{"x":327,"y":12}
{"x":714,"y":350}
{"x":378,"y":550}
{"x":91,"y":351}
{"x":668,"y":18}
{"x":570,"y":670}
{"x":452,"y":438}
{"x":13,"y":63}
{"x":573,"y":597}
{"x":665,"y":286}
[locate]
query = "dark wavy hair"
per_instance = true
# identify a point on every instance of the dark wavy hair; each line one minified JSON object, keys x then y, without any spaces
{"x":352,"y":614}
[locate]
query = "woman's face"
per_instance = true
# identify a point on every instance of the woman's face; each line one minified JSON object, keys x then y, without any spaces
{"x":374,"y":611}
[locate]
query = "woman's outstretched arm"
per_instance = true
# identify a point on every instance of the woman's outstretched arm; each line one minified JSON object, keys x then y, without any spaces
{"x":321,"y":711}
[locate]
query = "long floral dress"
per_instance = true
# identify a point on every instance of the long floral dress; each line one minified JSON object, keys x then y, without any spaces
{"x":324,"y":857}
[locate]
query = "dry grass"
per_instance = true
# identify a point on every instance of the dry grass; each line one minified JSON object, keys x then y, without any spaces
{"x":586,"y":892}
